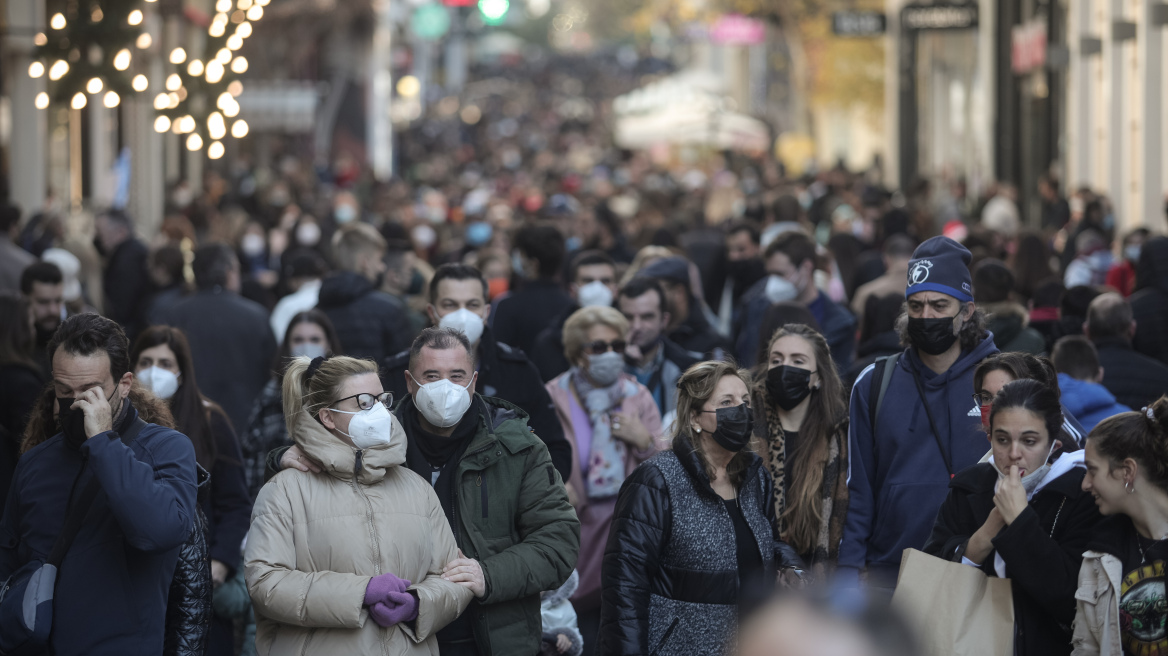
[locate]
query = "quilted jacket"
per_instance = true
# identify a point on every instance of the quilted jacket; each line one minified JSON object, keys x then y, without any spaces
{"x":188,"y":609}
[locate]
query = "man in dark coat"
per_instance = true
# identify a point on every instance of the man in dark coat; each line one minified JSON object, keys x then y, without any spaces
{"x":369,"y":323}
{"x":231,"y":343}
{"x":689,"y":328}
{"x":126,"y":280}
{"x":1149,"y":303}
{"x":650,"y":356}
{"x":1135,"y":379}
{"x":593,"y":276}
{"x":503,"y":372}
{"x":520,"y":317}
{"x":113,"y":584}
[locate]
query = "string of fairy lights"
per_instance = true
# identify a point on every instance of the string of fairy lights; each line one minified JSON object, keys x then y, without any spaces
{"x":88,"y":51}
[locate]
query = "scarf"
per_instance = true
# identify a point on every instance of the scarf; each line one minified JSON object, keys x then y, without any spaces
{"x":607,"y":455}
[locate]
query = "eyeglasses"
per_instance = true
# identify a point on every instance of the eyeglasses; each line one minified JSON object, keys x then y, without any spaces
{"x":366,"y":401}
{"x":983,"y":398}
{"x":601,"y":346}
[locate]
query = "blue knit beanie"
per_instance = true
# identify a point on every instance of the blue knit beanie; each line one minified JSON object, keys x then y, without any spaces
{"x":941,"y":265}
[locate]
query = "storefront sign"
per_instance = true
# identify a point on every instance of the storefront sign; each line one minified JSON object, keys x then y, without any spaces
{"x":1028,"y":46}
{"x":858,"y":23}
{"x":939,"y":17}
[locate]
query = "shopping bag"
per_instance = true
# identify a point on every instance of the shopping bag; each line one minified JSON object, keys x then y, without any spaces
{"x":954,"y":609}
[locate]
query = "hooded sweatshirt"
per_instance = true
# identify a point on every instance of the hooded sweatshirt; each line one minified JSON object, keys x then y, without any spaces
{"x":897,"y":477}
{"x":1090,"y":402}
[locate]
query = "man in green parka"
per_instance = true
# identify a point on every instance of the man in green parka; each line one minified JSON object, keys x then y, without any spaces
{"x":505,"y":502}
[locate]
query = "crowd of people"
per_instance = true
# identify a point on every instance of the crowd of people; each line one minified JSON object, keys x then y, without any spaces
{"x":542,"y":396}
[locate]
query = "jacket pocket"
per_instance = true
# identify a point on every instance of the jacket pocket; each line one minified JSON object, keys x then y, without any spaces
{"x":665,"y":638}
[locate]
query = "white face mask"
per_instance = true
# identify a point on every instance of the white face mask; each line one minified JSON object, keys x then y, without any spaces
{"x":779,"y":289}
{"x":311,"y":350}
{"x":252,"y":244}
{"x":161,"y":382}
{"x":1031,"y":480}
{"x":594,"y":293}
{"x":466,"y":322}
{"x":442,"y":402}
{"x":369,"y":428}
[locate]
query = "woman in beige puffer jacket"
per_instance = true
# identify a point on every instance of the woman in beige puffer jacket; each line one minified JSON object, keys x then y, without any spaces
{"x":317,"y":540}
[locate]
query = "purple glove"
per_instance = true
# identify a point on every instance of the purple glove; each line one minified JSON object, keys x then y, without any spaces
{"x":381,"y":586}
{"x":398,"y":607}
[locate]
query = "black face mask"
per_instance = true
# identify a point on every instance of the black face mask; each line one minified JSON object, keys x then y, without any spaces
{"x":933,"y":336}
{"x":71,"y":422}
{"x":788,"y":385}
{"x":735,"y":426}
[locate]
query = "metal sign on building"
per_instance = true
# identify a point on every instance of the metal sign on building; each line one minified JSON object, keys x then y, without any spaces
{"x":939,"y":17}
{"x":858,"y":23}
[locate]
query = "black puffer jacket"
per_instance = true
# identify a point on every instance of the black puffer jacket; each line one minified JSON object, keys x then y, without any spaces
{"x":369,"y":322}
{"x":670,"y":575}
{"x":188,"y":608}
{"x":1150,"y":301}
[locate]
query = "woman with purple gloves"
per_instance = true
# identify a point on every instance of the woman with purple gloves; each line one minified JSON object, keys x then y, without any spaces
{"x":331,"y":559}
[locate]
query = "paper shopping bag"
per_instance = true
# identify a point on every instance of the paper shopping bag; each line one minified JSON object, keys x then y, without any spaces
{"x":954,"y":609}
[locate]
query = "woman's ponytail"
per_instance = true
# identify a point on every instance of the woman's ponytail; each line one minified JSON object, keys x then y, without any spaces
{"x":294,"y":390}
{"x":306,"y":394}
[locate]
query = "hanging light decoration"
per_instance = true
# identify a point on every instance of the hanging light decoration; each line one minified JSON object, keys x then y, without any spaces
{"x":216,"y":126}
{"x":140,"y":82}
{"x":57,"y":22}
{"x":161,"y":124}
{"x":244,"y":30}
{"x":216,"y":150}
{"x":112,"y":99}
{"x":144,"y":41}
{"x":178,"y":56}
{"x":239,"y":65}
{"x":135,"y":17}
{"x":255,"y":13}
{"x":58,"y":70}
{"x":239,"y":129}
{"x":94,"y":86}
{"x":42,"y":100}
{"x":173,"y":82}
{"x":194,"y":142}
{"x":122,"y":59}
{"x":195,"y":68}
{"x":78,"y":101}
{"x":36,"y":69}
{"x":214,"y":72}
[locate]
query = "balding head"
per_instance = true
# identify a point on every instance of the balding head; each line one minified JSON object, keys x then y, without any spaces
{"x":1109,"y":315}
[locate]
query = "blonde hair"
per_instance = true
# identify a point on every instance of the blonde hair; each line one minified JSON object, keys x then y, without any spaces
{"x":577,"y":325}
{"x":694,"y":388}
{"x":356,"y":239}
{"x":320,"y":390}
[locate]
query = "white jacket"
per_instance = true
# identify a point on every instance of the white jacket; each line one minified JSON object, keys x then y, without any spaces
{"x":1097,"y":630}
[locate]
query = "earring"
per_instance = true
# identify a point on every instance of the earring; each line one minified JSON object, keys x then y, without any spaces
{"x":699,"y":429}
{"x":1130,"y":487}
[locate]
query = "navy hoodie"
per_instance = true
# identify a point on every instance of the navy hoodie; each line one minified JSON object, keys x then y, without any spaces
{"x":113,"y":583}
{"x":898,"y":480}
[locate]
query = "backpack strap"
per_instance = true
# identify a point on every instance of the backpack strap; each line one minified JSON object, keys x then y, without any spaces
{"x":78,"y":511}
{"x":883,"y":372}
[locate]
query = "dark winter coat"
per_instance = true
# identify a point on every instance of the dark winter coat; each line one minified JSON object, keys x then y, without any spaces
{"x":897,"y":476}
{"x":369,"y":322}
{"x":697,"y":335}
{"x":266,"y":430}
{"x":547,"y":351}
{"x":1149,"y":303}
{"x":113,"y":584}
{"x":670,"y":577}
{"x":1043,"y":550}
{"x":1135,"y":379}
{"x":838,"y":327}
{"x":227,"y":503}
{"x":127,"y":286}
{"x":507,"y":374}
{"x":232,"y":347}
{"x":188,"y":607}
{"x":520,"y":317}
{"x":1009,"y":324}
{"x":20,"y":386}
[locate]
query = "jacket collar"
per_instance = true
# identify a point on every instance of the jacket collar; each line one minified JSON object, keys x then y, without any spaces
{"x":688,"y":457}
{"x":343,"y":461}
{"x":1116,"y":341}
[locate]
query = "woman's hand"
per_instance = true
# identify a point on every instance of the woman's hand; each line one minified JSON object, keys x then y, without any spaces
{"x":294,"y":458}
{"x":980,"y":544}
{"x":563,"y":644}
{"x":628,"y":428}
{"x":219,"y":572}
{"x":790,"y":580}
{"x":1011,"y":497}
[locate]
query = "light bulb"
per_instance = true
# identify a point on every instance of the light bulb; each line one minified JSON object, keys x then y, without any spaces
{"x":238,"y":16}
{"x":36,"y":69}
{"x":234,"y":42}
{"x":122,"y":59}
{"x":195,"y":68}
{"x":78,"y":101}
{"x":187,"y":124}
{"x":57,"y":22}
{"x":112,"y":99}
{"x":232,"y":110}
{"x":235,"y":88}
{"x":239,"y":65}
{"x":263,"y":3}
{"x":245,"y":4}
{"x":94,"y":85}
{"x":40,"y":39}
{"x":144,"y":41}
{"x":244,"y":30}
{"x":239,"y":129}
{"x":178,"y":56}
{"x":255,"y":13}
{"x":140,"y":82}
{"x":216,"y":126}
{"x":42,"y":100}
{"x":172,"y":100}
{"x":223,"y":56}
{"x":224,"y":100}
{"x":217,"y":29}
{"x":214,"y":72}
{"x":135,"y":17}
{"x":173,"y":82}
{"x":161,"y":124}
{"x":223,"y":6}
{"x":161,"y":101}
{"x":215,"y":150}
{"x":194,"y":142}
{"x":58,"y":70}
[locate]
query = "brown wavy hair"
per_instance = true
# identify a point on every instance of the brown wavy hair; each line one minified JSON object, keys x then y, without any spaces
{"x":42,"y":420}
{"x":694,"y":388}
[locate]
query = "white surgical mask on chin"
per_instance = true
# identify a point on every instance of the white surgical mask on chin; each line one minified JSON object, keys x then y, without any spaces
{"x":369,"y":428}
{"x":594,"y":293}
{"x":466,"y":322}
{"x":442,"y":402}
{"x":1031,"y":480}
{"x":161,"y":382}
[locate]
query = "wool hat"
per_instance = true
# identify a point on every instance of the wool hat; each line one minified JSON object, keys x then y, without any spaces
{"x":940,"y":265}
{"x":672,"y":269}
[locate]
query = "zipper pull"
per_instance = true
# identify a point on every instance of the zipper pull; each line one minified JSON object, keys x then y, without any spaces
{"x":357,"y":464}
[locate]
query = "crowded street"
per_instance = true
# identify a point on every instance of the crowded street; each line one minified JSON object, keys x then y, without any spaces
{"x":561,"y":328}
